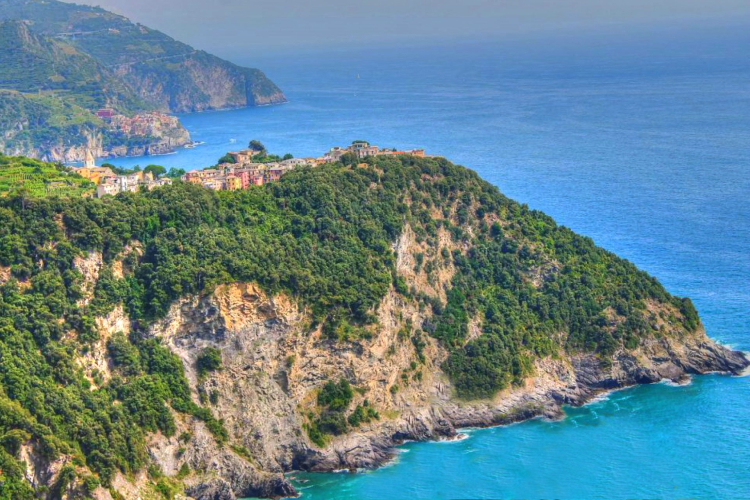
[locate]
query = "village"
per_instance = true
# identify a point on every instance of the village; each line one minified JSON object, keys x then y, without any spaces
{"x":236,"y":171}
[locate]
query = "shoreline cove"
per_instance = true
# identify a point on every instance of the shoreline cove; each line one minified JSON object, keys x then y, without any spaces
{"x":554,"y":412}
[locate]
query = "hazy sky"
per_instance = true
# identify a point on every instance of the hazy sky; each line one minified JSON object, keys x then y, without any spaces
{"x":227,"y":25}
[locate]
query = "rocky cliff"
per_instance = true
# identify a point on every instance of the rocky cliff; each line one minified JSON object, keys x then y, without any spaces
{"x":274,"y":364}
{"x":209,"y":344}
{"x":197,"y":81}
{"x":165,"y":72}
{"x":140,"y":135}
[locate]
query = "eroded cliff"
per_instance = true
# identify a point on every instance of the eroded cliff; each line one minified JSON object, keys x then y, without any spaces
{"x":275,"y":360}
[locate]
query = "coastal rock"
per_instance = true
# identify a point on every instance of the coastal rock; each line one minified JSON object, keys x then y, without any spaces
{"x":216,"y":489}
{"x":263,"y":399}
{"x":126,"y":68}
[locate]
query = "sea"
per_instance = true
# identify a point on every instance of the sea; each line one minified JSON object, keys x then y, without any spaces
{"x":639,"y":138}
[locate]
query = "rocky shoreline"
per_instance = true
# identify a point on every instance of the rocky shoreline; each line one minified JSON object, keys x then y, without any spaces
{"x":264,"y":399}
{"x":275,"y":359}
{"x":575,"y":381}
{"x":587,"y":381}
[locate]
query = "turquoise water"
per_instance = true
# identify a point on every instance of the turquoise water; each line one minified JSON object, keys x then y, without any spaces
{"x":642,"y":144}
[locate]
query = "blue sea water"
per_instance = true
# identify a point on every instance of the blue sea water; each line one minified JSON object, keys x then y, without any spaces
{"x":641,"y":141}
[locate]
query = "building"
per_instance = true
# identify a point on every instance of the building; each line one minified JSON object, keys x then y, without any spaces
{"x":90,"y":171}
{"x":334,"y":154}
{"x":298,"y":162}
{"x":393,"y":152}
{"x":89,"y":161}
{"x":114,"y":184}
{"x":96,"y":174}
{"x":274,"y":174}
{"x":363,"y":149}
{"x":233,"y":183}
{"x":106,"y":113}
{"x":244,"y":156}
{"x":107,"y":188}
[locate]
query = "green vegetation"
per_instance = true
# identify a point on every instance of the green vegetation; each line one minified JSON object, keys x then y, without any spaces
{"x":324,"y":235}
{"x":27,"y":177}
{"x":336,"y":396}
{"x":257,"y":146}
{"x":227,"y":158}
{"x":155,"y":170}
{"x":209,"y":361}
{"x":334,"y":399}
{"x":161,"y":70}
{"x":175,"y":173}
{"x":122,"y":170}
{"x":363,"y":414}
{"x":34,"y":63}
{"x":60,"y":66}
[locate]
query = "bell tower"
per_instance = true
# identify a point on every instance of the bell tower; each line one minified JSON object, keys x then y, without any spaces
{"x":90,"y":162}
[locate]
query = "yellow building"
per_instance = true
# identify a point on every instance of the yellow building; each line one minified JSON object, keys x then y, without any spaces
{"x":234,"y":183}
{"x":93,"y":173}
{"x":96,"y":174}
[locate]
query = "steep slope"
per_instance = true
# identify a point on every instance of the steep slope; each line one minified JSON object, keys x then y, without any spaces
{"x":216,"y":340}
{"x":49,"y":93}
{"x":166,"y":73}
{"x":63,"y":62}
{"x":33,"y":64}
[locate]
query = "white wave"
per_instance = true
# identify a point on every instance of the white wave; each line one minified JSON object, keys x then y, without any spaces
{"x":454,"y":439}
{"x":671,"y":383}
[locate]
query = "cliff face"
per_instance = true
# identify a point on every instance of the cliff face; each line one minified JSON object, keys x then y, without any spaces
{"x":275,"y":361}
{"x":165,"y":73}
{"x":199,"y":81}
{"x":26,"y":134}
{"x":274,"y":364}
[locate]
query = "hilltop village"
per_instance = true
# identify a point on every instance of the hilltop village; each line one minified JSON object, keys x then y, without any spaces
{"x":235,"y":171}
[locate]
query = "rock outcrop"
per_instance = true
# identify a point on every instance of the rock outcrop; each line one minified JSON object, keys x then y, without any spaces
{"x":140,"y":135}
{"x":274,"y":362}
{"x":275,"y":359}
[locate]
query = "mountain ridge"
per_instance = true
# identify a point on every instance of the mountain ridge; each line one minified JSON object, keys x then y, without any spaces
{"x":71,"y":60}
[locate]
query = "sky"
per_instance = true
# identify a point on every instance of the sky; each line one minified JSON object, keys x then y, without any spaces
{"x":225,"y":26}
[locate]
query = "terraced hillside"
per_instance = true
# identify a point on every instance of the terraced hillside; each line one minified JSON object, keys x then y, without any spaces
{"x":33,"y":178}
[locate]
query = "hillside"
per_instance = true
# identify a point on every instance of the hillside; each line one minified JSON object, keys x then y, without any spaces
{"x":64,"y":62}
{"x":189,"y":340}
{"x":33,"y":178}
{"x":165,"y":72}
{"x":49,"y":93}
{"x":32,"y":64}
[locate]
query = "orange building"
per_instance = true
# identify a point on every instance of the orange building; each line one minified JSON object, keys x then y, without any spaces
{"x":96,"y":174}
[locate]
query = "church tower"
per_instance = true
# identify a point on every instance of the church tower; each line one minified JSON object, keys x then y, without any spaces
{"x":90,"y":162}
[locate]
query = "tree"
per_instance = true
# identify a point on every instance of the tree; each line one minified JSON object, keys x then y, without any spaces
{"x":288,"y":156}
{"x":349,"y":159}
{"x":174,"y":173}
{"x":257,"y":146}
{"x":209,"y":361}
{"x":124,"y":171}
{"x":156,"y":170}
{"x":227,"y":158}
